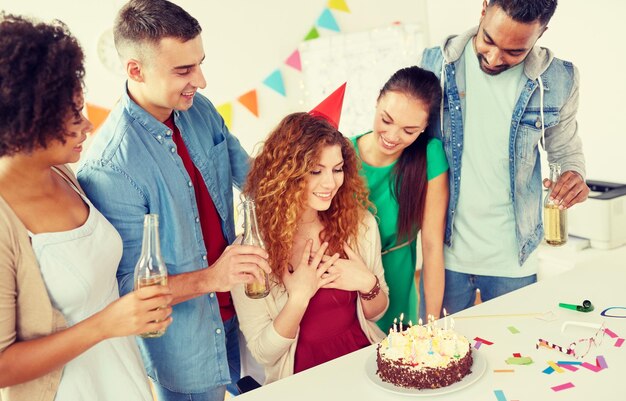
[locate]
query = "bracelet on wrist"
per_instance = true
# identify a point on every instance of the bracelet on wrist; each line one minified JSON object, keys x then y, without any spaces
{"x":368,"y":296}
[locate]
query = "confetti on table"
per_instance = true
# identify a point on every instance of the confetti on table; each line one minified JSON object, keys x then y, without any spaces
{"x":556,"y":367}
{"x":548,"y":370}
{"x":591,"y":367}
{"x":504,"y":371}
{"x":564,"y":386}
{"x":513,"y":330}
{"x":619,"y":342}
{"x":569,"y":363}
{"x":525,"y":360}
{"x":477,"y":344}
{"x":601,"y":362}
{"x":571,"y":368}
{"x":499,"y":395}
{"x":517,"y":355}
{"x":482,"y":340}
{"x":610,"y":333}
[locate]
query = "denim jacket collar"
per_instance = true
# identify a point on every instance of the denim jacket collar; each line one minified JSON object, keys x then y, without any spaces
{"x":152,"y":126}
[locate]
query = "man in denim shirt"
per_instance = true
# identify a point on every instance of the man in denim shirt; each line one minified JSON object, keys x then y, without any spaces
{"x":502,"y":96}
{"x":164,"y":149}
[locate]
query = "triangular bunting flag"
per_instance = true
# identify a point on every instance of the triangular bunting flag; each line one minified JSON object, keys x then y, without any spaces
{"x":249,"y":101}
{"x":96,"y":115}
{"x":313,"y":34}
{"x":275,"y":81}
{"x":326,"y":20}
{"x":339,"y":5}
{"x":294,"y":60}
{"x":226,"y":111}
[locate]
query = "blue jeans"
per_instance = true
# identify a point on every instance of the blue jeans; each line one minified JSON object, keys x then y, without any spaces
{"x":231,"y":327}
{"x":214,"y":394}
{"x":460,"y":289}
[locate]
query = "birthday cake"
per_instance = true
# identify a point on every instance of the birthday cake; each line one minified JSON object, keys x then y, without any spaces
{"x":423,"y":357}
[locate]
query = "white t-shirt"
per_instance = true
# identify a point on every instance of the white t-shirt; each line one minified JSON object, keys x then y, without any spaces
{"x":484,"y":241}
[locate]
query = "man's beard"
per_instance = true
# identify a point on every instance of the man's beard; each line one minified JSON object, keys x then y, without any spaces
{"x":482,"y":62}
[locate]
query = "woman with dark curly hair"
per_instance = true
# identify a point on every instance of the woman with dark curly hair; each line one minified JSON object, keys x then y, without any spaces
{"x":312,"y":203}
{"x":64,"y":331}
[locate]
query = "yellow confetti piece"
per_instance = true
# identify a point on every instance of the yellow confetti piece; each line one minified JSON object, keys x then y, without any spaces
{"x":556,"y":367}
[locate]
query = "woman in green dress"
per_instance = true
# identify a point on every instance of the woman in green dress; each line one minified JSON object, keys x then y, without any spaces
{"x":406,"y":172}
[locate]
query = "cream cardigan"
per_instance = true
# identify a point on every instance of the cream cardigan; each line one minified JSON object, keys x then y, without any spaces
{"x":26,"y":312}
{"x":277,"y":353}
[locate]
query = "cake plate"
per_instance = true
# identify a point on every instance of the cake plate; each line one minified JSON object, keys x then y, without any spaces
{"x":478,"y":369}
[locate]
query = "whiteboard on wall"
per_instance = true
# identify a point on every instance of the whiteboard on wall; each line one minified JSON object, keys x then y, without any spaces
{"x":365,"y":60}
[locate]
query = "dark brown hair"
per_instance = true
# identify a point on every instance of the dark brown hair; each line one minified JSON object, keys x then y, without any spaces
{"x":527,"y":11}
{"x":41,"y":70}
{"x":411,"y":181}
{"x":148,"y":21}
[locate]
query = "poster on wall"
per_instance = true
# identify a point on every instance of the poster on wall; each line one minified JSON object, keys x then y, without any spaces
{"x":365,"y":60}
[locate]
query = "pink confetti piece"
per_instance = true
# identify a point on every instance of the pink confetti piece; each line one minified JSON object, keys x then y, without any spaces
{"x":601,"y":362}
{"x":563,"y":386}
{"x":591,"y":367}
{"x":571,"y":368}
{"x":610,"y":333}
{"x":482,"y":340}
{"x":619,"y":342}
{"x":477,"y":344}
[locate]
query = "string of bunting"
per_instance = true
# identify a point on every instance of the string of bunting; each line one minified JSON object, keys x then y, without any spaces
{"x":274,"y":80}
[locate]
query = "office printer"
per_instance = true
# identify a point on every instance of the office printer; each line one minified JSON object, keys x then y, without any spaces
{"x":602,"y":217}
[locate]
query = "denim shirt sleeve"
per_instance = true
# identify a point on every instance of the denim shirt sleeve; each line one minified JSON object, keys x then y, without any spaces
{"x":118,"y":198}
{"x":563,"y":144}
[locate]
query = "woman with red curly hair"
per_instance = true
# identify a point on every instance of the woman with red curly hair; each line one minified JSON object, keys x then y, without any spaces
{"x":327,"y":281}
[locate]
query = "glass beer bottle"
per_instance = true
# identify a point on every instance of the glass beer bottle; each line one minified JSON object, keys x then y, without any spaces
{"x":150,"y":268}
{"x":554,"y":219}
{"x":251,"y":236}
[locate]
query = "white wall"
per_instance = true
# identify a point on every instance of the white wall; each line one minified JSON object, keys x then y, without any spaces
{"x":245,"y":40}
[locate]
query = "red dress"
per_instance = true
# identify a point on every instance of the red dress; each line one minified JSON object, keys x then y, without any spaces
{"x":329,"y":329}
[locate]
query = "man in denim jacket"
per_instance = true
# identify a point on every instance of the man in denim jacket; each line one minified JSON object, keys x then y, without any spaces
{"x":502,"y":96}
{"x":164,"y":149}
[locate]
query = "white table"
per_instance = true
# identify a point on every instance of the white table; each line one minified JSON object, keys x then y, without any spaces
{"x":604,"y":284}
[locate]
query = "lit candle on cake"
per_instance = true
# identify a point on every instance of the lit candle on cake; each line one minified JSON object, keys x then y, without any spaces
{"x":389,"y":338}
{"x":401,"y":318}
{"x":395,"y":324}
{"x":410,"y":324}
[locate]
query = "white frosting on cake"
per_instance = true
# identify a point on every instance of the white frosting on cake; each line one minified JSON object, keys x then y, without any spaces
{"x":424,"y":347}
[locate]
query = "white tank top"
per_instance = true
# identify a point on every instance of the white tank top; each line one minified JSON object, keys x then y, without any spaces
{"x":78,"y":267}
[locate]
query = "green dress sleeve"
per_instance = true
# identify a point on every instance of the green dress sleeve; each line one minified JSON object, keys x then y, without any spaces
{"x":436,"y":162}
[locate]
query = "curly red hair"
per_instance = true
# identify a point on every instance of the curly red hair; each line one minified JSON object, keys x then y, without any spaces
{"x":277,"y":182}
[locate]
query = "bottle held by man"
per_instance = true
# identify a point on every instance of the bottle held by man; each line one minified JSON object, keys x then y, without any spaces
{"x":554,"y":218}
{"x":251,"y":236}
